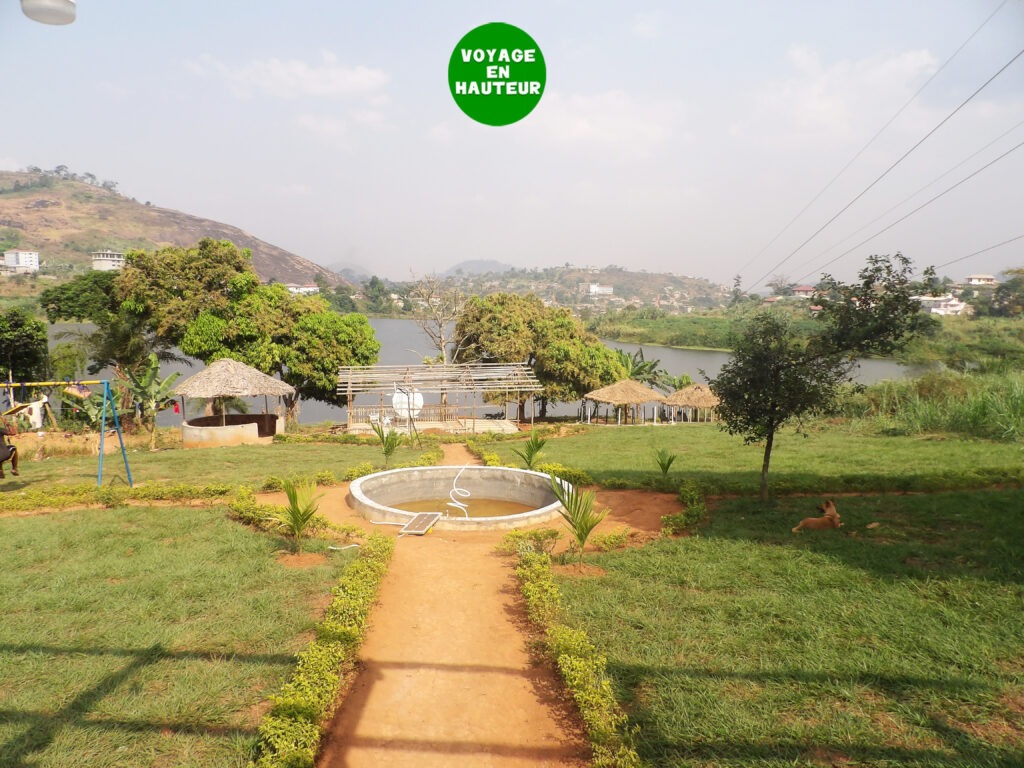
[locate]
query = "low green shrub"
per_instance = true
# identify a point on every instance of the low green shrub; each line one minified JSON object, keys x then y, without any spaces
{"x":325,"y":478}
{"x":272,"y":483}
{"x":606,"y":542}
{"x":358,"y":470}
{"x":691,"y":496}
{"x":582,"y":668}
{"x":540,"y":540}
{"x":569,"y":474}
{"x":290,"y":732}
{"x":247,"y":510}
{"x":489,"y":458}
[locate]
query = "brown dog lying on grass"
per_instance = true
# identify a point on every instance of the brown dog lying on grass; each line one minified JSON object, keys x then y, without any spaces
{"x":829,"y":519}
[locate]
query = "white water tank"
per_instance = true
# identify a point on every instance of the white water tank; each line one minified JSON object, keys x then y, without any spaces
{"x":407,"y":403}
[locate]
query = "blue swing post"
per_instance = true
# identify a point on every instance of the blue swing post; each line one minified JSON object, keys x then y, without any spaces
{"x":109,"y":398}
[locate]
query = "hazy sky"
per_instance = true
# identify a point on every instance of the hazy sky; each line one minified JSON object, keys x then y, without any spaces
{"x":672,"y":136}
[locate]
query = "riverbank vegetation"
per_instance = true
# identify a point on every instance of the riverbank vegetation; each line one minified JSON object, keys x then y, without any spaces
{"x":960,"y":343}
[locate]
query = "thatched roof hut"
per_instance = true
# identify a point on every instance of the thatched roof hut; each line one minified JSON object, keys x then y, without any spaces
{"x":697,"y":400}
{"x":625,"y":392}
{"x":693,"y":396}
{"x":230,"y":378}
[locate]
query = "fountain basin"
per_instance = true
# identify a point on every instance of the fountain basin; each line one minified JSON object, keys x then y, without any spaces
{"x":374,"y":496}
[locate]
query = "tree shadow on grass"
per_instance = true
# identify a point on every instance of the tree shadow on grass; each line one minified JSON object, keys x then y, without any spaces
{"x":973,"y":534}
{"x":784,"y":744}
{"x":41,"y":728}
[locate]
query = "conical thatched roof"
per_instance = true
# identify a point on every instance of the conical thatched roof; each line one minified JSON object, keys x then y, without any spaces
{"x":230,"y":378}
{"x":693,"y":396}
{"x":625,"y":392}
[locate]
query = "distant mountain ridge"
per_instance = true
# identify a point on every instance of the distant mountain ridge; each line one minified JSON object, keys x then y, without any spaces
{"x":478,"y":267}
{"x":65,"y":220}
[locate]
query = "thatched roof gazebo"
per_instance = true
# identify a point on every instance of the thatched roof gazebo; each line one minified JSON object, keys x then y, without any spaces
{"x":697,"y":400}
{"x":223,"y":379}
{"x":625,"y":393}
{"x":230,"y":378}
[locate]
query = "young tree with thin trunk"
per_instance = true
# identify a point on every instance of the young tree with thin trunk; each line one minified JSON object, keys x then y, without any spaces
{"x":776,"y":376}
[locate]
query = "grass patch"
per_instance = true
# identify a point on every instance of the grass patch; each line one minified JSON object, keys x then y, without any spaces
{"x":142,"y":636}
{"x":238,"y":465}
{"x":896,"y":644}
{"x":827,"y":461}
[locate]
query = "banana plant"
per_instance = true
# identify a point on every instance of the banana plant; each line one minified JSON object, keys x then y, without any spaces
{"x":151,"y":394}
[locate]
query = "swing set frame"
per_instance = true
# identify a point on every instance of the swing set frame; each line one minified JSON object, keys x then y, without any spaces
{"x":108,"y":399}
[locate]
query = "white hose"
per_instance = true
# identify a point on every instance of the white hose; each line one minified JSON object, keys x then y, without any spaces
{"x":461,"y":493}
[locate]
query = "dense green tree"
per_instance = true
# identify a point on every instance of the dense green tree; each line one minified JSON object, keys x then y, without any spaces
{"x":170,"y":287}
{"x":378,"y":296}
{"x":506,"y":328}
{"x":876,"y":315}
{"x":777,"y":375}
{"x":68,"y":360}
{"x":297,"y":337}
{"x":341,"y":299}
{"x":1008,"y":296}
{"x":24,"y":354}
{"x":84,"y":298}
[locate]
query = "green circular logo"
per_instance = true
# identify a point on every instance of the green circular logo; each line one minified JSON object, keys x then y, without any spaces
{"x":497,"y":74}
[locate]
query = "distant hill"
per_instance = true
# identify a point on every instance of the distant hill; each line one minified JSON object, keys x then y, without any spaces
{"x":65,"y":220}
{"x":478,"y":267}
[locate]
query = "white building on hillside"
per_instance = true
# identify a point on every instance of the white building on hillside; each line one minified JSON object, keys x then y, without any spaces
{"x":107,"y":261}
{"x":18,"y":260}
{"x":309,"y":289}
{"x":943,"y":305}
{"x":980,"y":280}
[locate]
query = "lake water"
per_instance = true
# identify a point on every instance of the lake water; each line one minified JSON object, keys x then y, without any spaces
{"x":404,"y":343}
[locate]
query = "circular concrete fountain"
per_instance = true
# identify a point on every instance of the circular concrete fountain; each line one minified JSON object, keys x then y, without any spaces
{"x":375,"y":496}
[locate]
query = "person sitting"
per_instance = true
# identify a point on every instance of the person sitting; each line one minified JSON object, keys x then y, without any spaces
{"x":8,"y":451}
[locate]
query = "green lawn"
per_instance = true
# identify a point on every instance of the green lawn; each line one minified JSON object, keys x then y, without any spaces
{"x":240,"y":465}
{"x":826,"y":461}
{"x":140,"y":636}
{"x":145,"y":636}
{"x":896,"y":644}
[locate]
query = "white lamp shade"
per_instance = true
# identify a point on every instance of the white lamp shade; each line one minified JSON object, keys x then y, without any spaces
{"x":49,"y":11}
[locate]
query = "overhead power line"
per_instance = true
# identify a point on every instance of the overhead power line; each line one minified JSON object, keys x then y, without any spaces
{"x":872,"y":140}
{"x":888,"y":170}
{"x":983,"y":250}
{"x":920,"y":207}
{"x":911,"y":196}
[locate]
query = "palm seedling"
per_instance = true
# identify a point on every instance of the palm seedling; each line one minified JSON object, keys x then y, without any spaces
{"x":577,"y":511}
{"x":531,"y":449}
{"x":389,"y":441}
{"x":664,"y":457}
{"x":296,"y":517}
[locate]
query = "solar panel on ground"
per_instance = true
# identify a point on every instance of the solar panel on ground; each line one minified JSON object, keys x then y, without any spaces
{"x":420,"y":524}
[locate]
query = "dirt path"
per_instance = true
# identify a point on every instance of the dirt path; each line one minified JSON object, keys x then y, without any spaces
{"x":446,"y":678}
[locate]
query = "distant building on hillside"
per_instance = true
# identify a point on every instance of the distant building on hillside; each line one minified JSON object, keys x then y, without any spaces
{"x":20,"y":261}
{"x":943,"y":305}
{"x":980,"y":280}
{"x":309,"y":289}
{"x":107,"y":261}
{"x":803,"y":291}
{"x":594,"y":289}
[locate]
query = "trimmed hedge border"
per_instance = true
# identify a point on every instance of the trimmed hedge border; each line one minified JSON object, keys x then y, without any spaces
{"x":583,"y":669}
{"x":290,"y":733}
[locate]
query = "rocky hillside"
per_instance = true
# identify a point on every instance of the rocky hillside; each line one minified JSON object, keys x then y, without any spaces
{"x":66,"y":219}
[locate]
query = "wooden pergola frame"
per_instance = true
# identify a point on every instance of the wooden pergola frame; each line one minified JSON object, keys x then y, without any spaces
{"x":512,"y":379}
